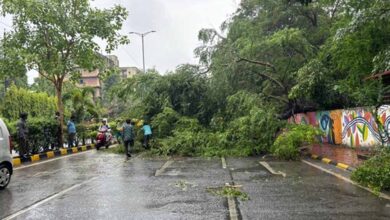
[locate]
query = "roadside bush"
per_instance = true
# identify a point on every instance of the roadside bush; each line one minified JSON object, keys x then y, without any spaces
{"x":86,"y":131}
{"x":42,"y":133}
{"x":287,"y":144}
{"x":19,"y":100}
{"x":375,"y":172}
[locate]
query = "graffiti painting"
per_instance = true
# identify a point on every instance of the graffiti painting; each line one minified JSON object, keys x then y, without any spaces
{"x":354,"y":127}
{"x":325,"y":124}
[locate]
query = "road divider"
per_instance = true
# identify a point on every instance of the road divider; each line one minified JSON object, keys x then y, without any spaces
{"x":332,"y":162}
{"x":17,"y":161}
{"x":50,"y":154}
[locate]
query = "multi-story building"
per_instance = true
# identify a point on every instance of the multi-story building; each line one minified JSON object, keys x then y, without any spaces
{"x":92,"y":79}
{"x":128,"y":72}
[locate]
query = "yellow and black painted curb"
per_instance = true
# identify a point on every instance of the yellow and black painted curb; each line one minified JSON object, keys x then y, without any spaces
{"x":17,"y":161}
{"x":332,"y":162}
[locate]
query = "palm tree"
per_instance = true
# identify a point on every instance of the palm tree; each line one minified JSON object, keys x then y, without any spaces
{"x":83,"y":107}
{"x":80,"y":101}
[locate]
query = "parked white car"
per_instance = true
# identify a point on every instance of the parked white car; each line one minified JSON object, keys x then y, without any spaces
{"x":5,"y":156}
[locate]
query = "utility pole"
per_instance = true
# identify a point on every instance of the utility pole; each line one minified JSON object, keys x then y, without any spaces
{"x":142,"y":35}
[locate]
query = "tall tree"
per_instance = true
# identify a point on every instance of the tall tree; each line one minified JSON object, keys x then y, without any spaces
{"x":266,"y":43}
{"x":57,"y":37}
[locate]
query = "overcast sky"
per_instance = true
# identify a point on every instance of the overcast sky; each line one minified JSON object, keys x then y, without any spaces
{"x":177,"y":23}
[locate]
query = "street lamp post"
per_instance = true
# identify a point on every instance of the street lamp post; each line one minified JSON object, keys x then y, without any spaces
{"x":142,"y":35}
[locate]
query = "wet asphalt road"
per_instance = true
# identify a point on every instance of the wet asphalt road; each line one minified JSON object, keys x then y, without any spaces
{"x":98,"y":185}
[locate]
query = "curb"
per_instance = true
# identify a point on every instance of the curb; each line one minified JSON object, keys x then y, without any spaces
{"x":332,"y":162}
{"x":17,"y":161}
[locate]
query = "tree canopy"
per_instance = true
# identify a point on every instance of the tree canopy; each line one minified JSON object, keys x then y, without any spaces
{"x":58,"y":37}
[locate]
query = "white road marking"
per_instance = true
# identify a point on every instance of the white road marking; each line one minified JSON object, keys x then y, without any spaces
{"x":382,"y":195}
{"x":162,"y":169}
{"x":269,"y":168}
{"x":232,"y":209}
{"x":223,"y":162}
{"x":47,"y":199}
{"x":50,"y":160}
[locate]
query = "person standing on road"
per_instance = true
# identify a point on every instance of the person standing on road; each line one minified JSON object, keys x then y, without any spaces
{"x":128,"y":136}
{"x":57,"y":141}
{"x":147,"y":134}
{"x":22,"y":132}
{"x":71,"y":132}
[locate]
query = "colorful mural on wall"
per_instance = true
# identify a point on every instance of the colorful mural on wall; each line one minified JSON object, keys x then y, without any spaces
{"x":325,"y":124}
{"x":353,"y":127}
{"x":337,"y":128}
{"x":359,"y":128}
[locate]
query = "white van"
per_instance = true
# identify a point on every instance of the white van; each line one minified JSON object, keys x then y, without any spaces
{"x":5,"y":156}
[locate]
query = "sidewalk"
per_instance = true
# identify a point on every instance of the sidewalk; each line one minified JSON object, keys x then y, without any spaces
{"x":341,"y":154}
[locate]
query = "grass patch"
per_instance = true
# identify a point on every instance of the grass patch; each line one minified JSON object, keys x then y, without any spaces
{"x":229,"y":191}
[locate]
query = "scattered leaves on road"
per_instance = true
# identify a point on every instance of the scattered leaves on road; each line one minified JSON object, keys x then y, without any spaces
{"x":228,"y":191}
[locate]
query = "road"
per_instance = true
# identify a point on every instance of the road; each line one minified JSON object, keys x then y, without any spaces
{"x":99,"y":185}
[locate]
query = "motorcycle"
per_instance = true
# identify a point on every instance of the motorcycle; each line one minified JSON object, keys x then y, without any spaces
{"x":103,"y":139}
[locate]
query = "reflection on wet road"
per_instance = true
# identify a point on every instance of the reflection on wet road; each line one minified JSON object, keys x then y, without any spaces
{"x":98,"y":185}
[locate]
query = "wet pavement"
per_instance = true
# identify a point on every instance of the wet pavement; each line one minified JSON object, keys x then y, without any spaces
{"x":98,"y":185}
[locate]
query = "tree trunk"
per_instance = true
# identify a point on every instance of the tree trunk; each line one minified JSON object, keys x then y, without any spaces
{"x":60,"y":107}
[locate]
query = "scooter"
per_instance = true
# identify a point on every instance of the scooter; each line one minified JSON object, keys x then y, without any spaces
{"x":103,"y":139}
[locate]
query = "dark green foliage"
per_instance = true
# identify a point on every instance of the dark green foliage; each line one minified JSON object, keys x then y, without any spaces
{"x":375,"y":172}
{"x":240,"y":104}
{"x":255,"y":130}
{"x":42,"y":133}
{"x":164,"y":123}
{"x":294,"y":136}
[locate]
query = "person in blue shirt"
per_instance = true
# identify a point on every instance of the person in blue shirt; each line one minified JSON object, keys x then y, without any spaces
{"x":71,"y":132}
{"x":147,"y":134}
